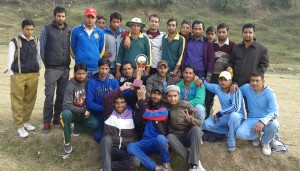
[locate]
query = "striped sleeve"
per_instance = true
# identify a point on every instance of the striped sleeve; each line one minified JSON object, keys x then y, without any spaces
{"x":236,"y":104}
{"x":160,"y":114}
{"x":181,"y":50}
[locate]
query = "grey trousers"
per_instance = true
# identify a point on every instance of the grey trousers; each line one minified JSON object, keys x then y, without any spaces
{"x":114,"y":158}
{"x":180,"y":143}
{"x":55,"y":81}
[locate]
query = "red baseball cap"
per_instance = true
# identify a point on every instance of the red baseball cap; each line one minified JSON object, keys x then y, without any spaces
{"x":91,"y":11}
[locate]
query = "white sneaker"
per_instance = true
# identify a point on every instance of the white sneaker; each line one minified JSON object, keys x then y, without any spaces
{"x":22,"y":132}
{"x":28,"y":126}
{"x":266,"y":149}
{"x":256,"y":142}
{"x":200,"y":166}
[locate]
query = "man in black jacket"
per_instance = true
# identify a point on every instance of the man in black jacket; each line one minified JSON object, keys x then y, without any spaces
{"x":55,"y":53}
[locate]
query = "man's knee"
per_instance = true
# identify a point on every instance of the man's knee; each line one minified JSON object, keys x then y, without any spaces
{"x":135,"y":161}
{"x":131,"y":148}
{"x":196,"y":132}
{"x":66,"y":114}
{"x":171,"y":137}
{"x":274,"y":126}
{"x":235,"y":117}
{"x":106,"y":141}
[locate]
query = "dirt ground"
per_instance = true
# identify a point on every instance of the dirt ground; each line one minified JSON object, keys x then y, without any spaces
{"x":286,"y":88}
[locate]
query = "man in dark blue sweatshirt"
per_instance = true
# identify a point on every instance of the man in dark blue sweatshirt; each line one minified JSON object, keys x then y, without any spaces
{"x":153,"y":140}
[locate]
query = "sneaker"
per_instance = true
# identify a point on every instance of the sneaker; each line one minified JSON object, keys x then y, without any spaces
{"x":28,"y":126}
{"x":46,"y":128}
{"x":167,"y":167}
{"x":231,"y":148}
{"x":75,"y":133}
{"x":22,"y":132}
{"x":159,"y":168}
{"x":266,"y":149}
{"x":200,"y":166}
{"x":197,"y":168}
{"x":256,"y":142}
{"x":68,"y":148}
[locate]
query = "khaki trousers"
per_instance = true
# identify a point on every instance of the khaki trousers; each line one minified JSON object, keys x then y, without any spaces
{"x":23,"y":90}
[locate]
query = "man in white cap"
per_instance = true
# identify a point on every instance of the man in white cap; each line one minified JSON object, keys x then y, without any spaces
{"x":140,"y":45}
{"x":184,"y":128}
{"x":88,"y":42}
{"x":229,"y":118}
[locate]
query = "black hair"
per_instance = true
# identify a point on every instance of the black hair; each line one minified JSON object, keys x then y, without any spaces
{"x":185,"y":22}
{"x":210,"y":29}
{"x":115,"y":15}
{"x":125,"y":63}
{"x":248,"y":25}
{"x":189,"y":66}
{"x":198,"y":22}
{"x":104,"y":61}
{"x":80,"y":66}
{"x":120,"y":96}
{"x":258,"y":74}
{"x":172,"y":19}
{"x":59,"y":9}
{"x":223,"y":25}
{"x":154,"y":15}
{"x":27,"y":22}
{"x":100,"y":17}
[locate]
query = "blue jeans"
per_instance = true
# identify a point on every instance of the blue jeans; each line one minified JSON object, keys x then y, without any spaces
{"x":142,"y":148}
{"x":90,"y":73}
{"x":245,"y":131}
{"x":226,"y":125}
{"x":98,"y":132}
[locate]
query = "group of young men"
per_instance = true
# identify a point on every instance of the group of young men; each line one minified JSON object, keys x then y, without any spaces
{"x":172,"y":106}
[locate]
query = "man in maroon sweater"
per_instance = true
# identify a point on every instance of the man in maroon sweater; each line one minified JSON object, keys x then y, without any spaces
{"x":223,"y":48}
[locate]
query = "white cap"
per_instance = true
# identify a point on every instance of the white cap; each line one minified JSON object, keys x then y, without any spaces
{"x":226,"y":75}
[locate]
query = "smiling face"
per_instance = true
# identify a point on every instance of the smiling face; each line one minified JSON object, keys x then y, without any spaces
{"x":188,"y":75}
{"x":162,"y":70}
{"x":120,"y":105}
{"x":173,"y":97}
{"x":156,"y":96}
{"x":135,"y":28}
{"x":224,"y":83}
{"x":153,"y":23}
{"x":257,"y":83}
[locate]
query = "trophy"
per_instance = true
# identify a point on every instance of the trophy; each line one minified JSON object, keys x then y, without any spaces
{"x":141,"y":62}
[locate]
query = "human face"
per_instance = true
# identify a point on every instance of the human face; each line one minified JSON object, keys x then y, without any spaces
{"x":248,"y":34}
{"x":103,"y":71}
{"x":172,"y":97}
{"x":211,"y":36}
{"x":188,"y":75}
{"x":222,"y":34}
{"x":257,"y":83}
{"x":80,"y":75}
{"x":135,"y":29}
{"x":127,"y":70}
{"x":115,"y":24}
{"x":185,"y":29}
{"x":156,"y":97}
{"x":89,"y":21}
{"x":162,"y":70}
{"x":153,"y":24}
{"x":60,"y":18}
{"x":120,"y":105}
{"x":172,"y":27}
{"x":223,"y":83}
{"x":28,"y":30}
{"x":101,"y":23}
{"x":198,"y":30}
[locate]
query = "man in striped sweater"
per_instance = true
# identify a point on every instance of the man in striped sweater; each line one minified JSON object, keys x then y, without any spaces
{"x":229,"y":118}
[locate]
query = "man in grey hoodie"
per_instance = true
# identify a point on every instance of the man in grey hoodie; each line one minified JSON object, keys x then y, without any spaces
{"x":74,"y":109}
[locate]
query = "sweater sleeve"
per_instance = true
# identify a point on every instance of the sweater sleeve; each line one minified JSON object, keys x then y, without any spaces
{"x":119,"y":59}
{"x":101,"y":44}
{"x":200,"y":96}
{"x":108,"y":101}
{"x":235,"y":105}
{"x":160,"y":114}
{"x":181,"y":50}
{"x":195,"y":120}
{"x":68,"y":103}
{"x":11,"y":56}
{"x":73,"y":43}
{"x":273,"y":111}
{"x":90,"y":97}
{"x":43,"y":40}
{"x":211,"y":87}
{"x":148,"y":51}
{"x":263,"y":61}
{"x":210,"y":57}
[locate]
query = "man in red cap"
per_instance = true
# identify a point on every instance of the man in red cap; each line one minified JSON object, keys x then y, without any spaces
{"x":87,"y":42}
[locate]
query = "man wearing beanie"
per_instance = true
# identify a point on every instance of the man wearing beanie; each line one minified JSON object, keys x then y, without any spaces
{"x":184,"y":130}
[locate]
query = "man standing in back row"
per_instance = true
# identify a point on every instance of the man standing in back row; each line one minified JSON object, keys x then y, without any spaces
{"x":88,"y":42}
{"x":55,"y":53}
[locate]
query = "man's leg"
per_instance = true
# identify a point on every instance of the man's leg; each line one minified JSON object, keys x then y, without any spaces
{"x":141,"y":149}
{"x":106,"y":146}
{"x":122,"y":160}
{"x":234,"y":122}
{"x":270,"y":131}
{"x":67,"y":118}
{"x":177,"y":146}
{"x":86,"y":124}
{"x":51,"y":76}
{"x":161,"y":145}
{"x":17,"y":91}
{"x":194,"y":138}
{"x":209,"y":96}
{"x":245,"y":130}
{"x":30,"y":95}
{"x":220,"y":127}
{"x":61,"y":85}
{"x":201,"y":111}
{"x":98,"y":132}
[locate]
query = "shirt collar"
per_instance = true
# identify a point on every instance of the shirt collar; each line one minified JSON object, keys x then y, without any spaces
{"x":225,"y":43}
{"x":86,"y":29}
{"x":140,"y":35}
{"x":201,"y":39}
{"x":175,"y":38}
{"x":148,"y":32}
{"x":24,"y":37}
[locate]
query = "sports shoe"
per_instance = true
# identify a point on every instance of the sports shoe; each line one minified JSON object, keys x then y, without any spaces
{"x":266,"y":149}
{"x":167,"y":167}
{"x":197,"y":168}
{"x":46,"y":128}
{"x":75,"y":133}
{"x":231,"y":148}
{"x":256,"y":142}
{"x":68,"y":148}
{"x":200,"y":166}
{"x":22,"y":132}
{"x":29,"y":127}
{"x":159,"y":168}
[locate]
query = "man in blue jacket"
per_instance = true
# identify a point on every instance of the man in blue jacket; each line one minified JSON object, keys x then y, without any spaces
{"x":88,"y":42}
{"x":99,"y":85}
